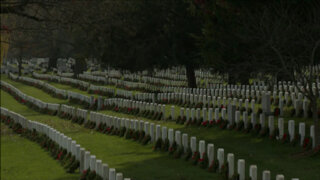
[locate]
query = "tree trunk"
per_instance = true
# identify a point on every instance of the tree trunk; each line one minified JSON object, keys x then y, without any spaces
{"x":316,"y":122}
{"x":191,"y":76}
{"x":244,"y":78}
{"x":52,"y":62}
{"x":79,"y":67}
{"x":231,"y":78}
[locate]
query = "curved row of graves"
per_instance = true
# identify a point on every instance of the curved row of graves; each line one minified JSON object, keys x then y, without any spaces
{"x":174,"y":140}
{"x":62,"y":148}
{"x":225,"y":118}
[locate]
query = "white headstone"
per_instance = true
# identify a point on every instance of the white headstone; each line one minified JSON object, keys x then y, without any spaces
{"x":202,"y":147}
{"x":253,"y":172}
{"x":266,"y":175}
{"x":112,"y":174}
{"x":241,"y":169}
{"x":210,"y":151}
{"x":280,"y":177}
{"x":230,"y":160}
{"x":220,"y":157}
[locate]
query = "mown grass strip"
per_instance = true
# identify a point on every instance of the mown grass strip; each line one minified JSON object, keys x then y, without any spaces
{"x":24,"y":159}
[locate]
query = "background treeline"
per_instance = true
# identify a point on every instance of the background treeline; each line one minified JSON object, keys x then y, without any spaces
{"x":244,"y":38}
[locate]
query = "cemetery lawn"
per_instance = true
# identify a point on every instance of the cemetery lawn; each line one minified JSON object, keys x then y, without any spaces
{"x":267,"y":154}
{"x":287,"y":110}
{"x":24,"y":159}
{"x":129,"y":157}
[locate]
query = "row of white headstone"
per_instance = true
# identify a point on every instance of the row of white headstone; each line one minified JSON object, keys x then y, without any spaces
{"x":155,"y":133}
{"x":284,"y":88}
{"x":74,"y":82}
{"x":190,"y":114}
{"x":84,"y":157}
{"x":233,"y":116}
{"x":74,"y":112}
{"x":205,"y":99}
{"x":65,"y":93}
{"x":81,"y":97}
{"x":65,"y":74}
{"x":97,"y":78}
{"x":143,"y":106}
{"x":256,"y":91}
{"x":44,"y":85}
{"x":70,"y":94}
{"x":165,"y":82}
{"x":101,"y":88}
{"x":40,"y":104}
{"x":174,"y":88}
{"x":151,"y":79}
{"x":298,"y":104}
{"x":227,"y":91}
{"x":49,"y":77}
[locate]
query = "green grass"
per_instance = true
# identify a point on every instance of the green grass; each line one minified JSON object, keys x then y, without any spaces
{"x":22,"y":159}
{"x":134,"y":160}
{"x":267,"y":154}
{"x":286,"y":117}
{"x":38,"y":93}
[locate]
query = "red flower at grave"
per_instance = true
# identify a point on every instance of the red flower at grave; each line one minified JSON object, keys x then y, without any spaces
{"x":222,"y":106}
{"x":284,"y":136}
{"x":194,"y":155}
{"x":59,"y":155}
{"x":129,"y":109}
{"x":212,"y":164}
{"x":84,"y":172}
{"x":306,"y":142}
{"x":116,"y":108}
{"x":204,"y":123}
{"x":219,"y":121}
{"x":211,"y":122}
{"x":201,"y":159}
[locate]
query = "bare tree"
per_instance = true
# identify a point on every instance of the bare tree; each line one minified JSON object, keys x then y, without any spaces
{"x":286,"y":36}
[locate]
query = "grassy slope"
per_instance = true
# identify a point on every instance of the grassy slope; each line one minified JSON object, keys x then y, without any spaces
{"x":24,"y":159}
{"x":134,"y":160}
{"x":264,"y":152}
{"x":287,"y":117}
